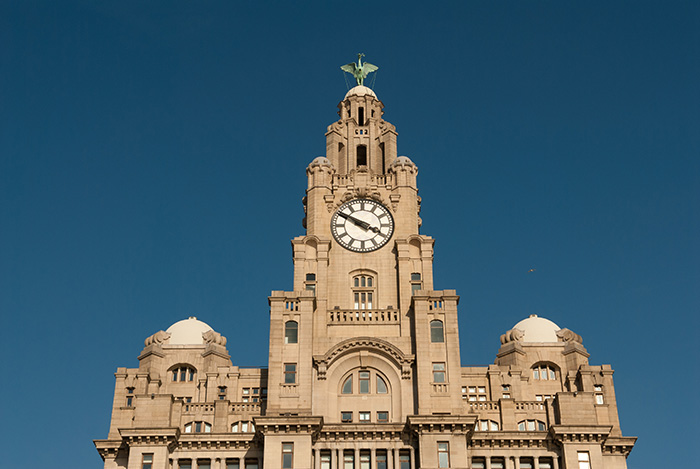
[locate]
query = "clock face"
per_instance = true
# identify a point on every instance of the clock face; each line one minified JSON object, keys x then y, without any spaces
{"x":362,"y":225}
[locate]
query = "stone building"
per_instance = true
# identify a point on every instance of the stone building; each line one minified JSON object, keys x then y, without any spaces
{"x":364,"y":364}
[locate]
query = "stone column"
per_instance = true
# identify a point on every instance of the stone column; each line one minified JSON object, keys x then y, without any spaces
{"x":373,"y":458}
{"x":555,"y":462}
{"x":356,"y":463}
{"x":536,"y":462}
{"x":413,"y":457}
{"x":317,"y":458}
{"x":487,"y":462}
{"x":390,"y":458}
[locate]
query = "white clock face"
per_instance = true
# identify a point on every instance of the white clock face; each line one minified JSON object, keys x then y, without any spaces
{"x":362,"y":225}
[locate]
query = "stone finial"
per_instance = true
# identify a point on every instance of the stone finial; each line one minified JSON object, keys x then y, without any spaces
{"x":158,"y":338}
{"x":512,"y":335}
{"x":567,"y":335}
{"x":213,"y":337}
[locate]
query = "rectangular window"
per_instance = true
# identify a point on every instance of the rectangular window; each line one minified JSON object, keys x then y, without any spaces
{"x":129,"y":401}
{"x":364,"y":417}
{"x":500,"y":463}
{"x":287,"y":455}
{"x":204,"y":464}
{"x":184,"y":464}
{"x":584,"y":460}
{"x":599,"y":399}
{"x":326,"y":459}
{"x":472,"y":389}
{"x":438,"y":372}
{"x":233,"y":464}
{"x":526,"y":463}
{"x":346,"y":417}
{"x":251,"y":463}
{"x":545,"y":463}
{"x":349,"y":459}
{"x":443,"y":455}
{"x":506,"y":395}
{"x":246,"y":391}
{"x":290,"y":373}
{"x":381,"y":459}
{"x":365,"y":459}
{"x":404,"y":459}
{"x":147,"y":461}
{"x":482,"y":389}
{"x":364,"y":382}
{"x":478,"y":463}
{"x":382,"y":416}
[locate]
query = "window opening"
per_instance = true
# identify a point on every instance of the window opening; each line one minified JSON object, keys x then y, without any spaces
{"x":584,"y":460}
{"x":310,"y":284}
{"x":347,"y":385}
{"x":381,"y":459}
{"x":147,"y":461}
{"x":364,"y":382}
{"x":183,"y":373}
{"x":325,"y":459}
{"x":443,"y":455}
{"x":404,"y":459}
{"x":287,"y":455}
{"x":382,"y":416}
{"x":381,"y":385}
{"x":364,"y":417}
{"x":346,"y":417}
{"x":361,"y":116}
{"x":416,"y":283}
{"x":291,"y":332}
{"x":290,"y":373}
{"x":365,"y":459}
{"x":363,"y":291}
{"x":233,"y":464}
{"x":251,"y":463}
{"x":438,"y":372}
{"x":348,"y":459}
{"x":437,"y":332}
{"x":544,"y":372}
{"x":361,"y":155}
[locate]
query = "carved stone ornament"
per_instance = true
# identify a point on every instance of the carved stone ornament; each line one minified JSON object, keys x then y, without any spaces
{"x":567,"y":335}
{"x":213,"y":337}
{"x":401,"y":360}
{"x":512,"y":335}
{"x":159,"y":338}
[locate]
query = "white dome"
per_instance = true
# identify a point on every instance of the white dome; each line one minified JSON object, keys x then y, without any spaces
{"x":360,"y":90}
{"x":536,"y":329}
{"x":188,"y":332}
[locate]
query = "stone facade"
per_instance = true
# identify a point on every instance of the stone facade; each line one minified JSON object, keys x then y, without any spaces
{"x":364,"y":361}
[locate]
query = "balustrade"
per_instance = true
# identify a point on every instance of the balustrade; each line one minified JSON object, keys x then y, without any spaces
{"x":375,"y":316}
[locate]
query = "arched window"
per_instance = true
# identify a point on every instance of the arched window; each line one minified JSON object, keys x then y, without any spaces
{"x":365,"y":378}
{"x":291,"y":332}
{"x":543,"y":371}
{"x":487,"y":426}
{"x":243,"y":426}
{"x":183,"y":373}
{"x":437,"y":331}
{"x":531,"y":426}
{"x":381,"y":386}
{"x":363,"y":291}
{"x":198,"y":427}
{"x":347,"y":386}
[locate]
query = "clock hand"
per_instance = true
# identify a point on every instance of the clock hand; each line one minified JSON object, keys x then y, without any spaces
{"x":362,"y":224}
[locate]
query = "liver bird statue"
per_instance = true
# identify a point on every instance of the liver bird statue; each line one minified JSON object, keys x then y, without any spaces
{"x":359,"y":70}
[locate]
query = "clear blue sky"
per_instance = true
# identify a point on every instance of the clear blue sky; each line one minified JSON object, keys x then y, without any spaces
{"x":562,"y":137}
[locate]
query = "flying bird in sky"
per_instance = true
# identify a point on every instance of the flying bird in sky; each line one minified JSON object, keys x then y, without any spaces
{"x":531,"y":270}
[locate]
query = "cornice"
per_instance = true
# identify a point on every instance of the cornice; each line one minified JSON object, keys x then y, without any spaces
{"x":619,"y":444}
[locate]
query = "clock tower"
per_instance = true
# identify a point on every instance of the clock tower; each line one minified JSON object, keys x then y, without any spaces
{"x":364,"y":335}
